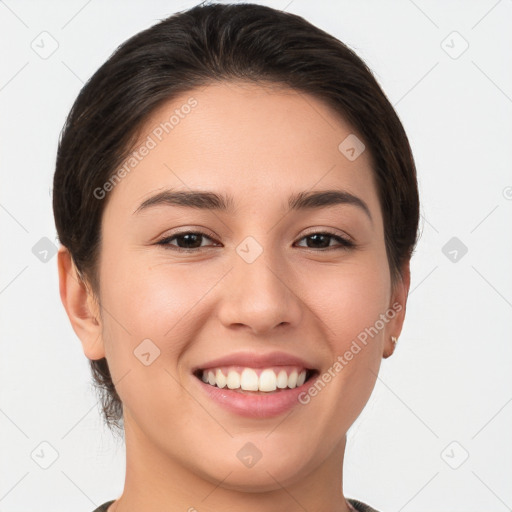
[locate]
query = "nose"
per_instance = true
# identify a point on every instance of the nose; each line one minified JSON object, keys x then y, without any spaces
{"x":260,"y":296}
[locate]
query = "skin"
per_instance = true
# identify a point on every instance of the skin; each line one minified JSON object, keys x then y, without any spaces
{"x":259,"y":144}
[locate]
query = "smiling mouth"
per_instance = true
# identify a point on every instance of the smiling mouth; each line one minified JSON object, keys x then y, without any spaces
{"x":256,"y":380}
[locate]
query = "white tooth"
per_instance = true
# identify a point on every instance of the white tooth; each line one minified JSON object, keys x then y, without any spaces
{"x":292,"y":379}
{"x":268,"y":380}
{"x":233,"y":381}
{"x":221,"y":379}
{"x":282,"y":380}
{"x":249,"y":380}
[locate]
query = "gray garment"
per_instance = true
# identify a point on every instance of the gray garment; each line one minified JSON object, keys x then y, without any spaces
{"x":104,"y":507}
{"x":358,"y":505}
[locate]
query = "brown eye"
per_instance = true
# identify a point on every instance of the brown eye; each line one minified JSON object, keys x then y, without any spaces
{"x":321,"y":240}
{"x":191,"y":241}
{"x":186,"y":241}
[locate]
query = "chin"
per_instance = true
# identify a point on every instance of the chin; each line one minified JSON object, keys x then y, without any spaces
{"x":250,"y":469}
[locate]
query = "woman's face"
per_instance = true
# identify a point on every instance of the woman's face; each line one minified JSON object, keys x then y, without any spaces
{"x":261,"y":279}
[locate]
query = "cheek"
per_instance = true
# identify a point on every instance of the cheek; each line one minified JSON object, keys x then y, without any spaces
{"x":350,"y":297}
{"x":169,"y":303}
{"x":163,"y":303}
{"x":351,"y":304}
{"x":153,"y":300}
{"x":150,"y":313}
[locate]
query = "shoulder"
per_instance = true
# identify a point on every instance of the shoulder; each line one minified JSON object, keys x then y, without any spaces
{"x":104,"y":507}
{"x":360,"y":506}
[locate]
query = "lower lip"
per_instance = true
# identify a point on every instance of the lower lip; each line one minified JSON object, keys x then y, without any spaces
{"x":252,"y":405}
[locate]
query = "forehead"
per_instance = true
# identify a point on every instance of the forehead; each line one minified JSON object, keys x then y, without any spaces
{"x":248,"y":140}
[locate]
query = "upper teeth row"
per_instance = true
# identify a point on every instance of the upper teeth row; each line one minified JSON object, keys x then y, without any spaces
{"x":248,"y":379}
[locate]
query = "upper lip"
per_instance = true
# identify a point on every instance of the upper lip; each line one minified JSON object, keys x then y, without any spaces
{"x":255,"y":360}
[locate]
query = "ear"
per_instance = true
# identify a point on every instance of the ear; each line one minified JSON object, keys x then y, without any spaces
{"x":398,"y":304}
{"x":80,"y":305}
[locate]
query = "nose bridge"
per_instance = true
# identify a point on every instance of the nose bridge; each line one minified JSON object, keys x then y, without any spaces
{"x":258,"y":296}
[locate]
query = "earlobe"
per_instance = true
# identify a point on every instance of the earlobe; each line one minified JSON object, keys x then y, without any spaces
{"x":398,"y":304}
{"x":80,"y":305}
{"x":389,"y":346}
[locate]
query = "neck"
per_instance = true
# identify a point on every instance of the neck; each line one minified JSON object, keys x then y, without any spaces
{"x":154,"y":481}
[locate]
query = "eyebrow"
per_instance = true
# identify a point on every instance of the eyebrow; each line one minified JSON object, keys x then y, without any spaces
{"x":225,"y":203}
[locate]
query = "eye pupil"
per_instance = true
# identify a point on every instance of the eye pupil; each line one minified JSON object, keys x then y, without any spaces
{"x":317,"y":236}
{"x":189,"y":237}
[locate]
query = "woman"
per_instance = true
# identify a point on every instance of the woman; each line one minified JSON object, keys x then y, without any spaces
{"x":237,"y":205}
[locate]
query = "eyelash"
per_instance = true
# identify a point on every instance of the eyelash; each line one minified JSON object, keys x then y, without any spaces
{"x":345,"y":243}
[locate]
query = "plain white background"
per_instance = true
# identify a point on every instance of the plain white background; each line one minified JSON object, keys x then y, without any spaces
{"x":435,"y":435}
